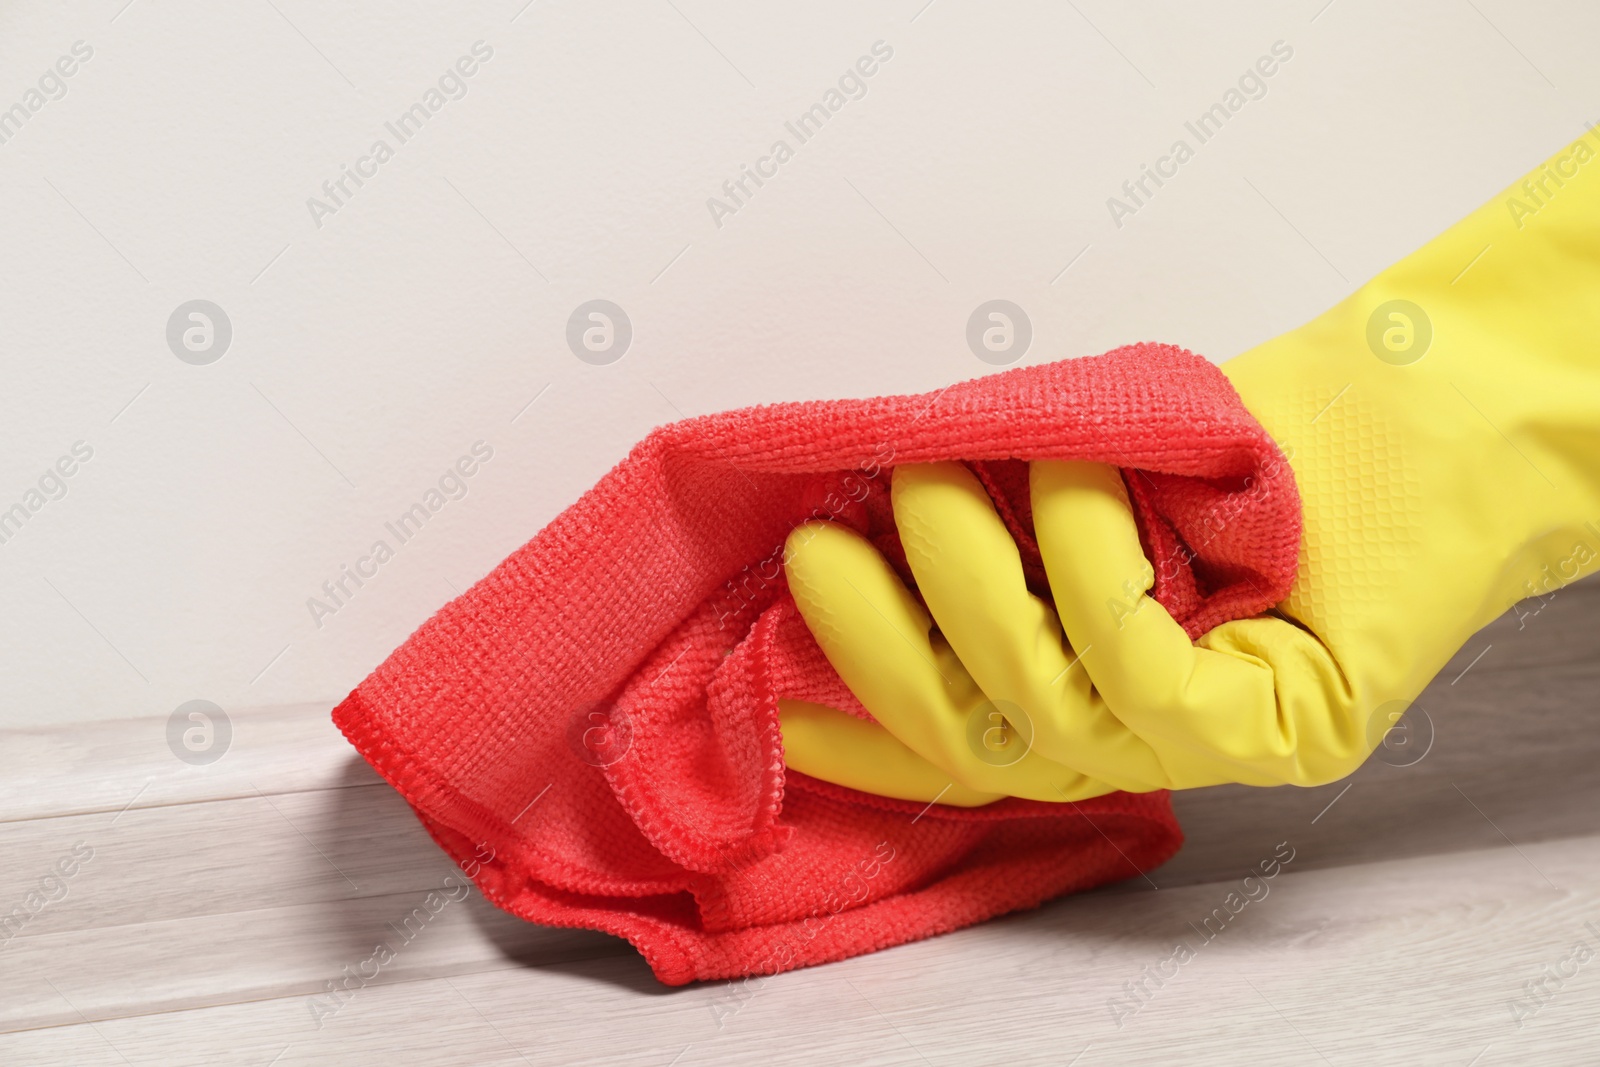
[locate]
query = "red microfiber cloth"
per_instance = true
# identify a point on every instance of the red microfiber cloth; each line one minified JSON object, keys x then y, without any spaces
{"x":591,"y":731}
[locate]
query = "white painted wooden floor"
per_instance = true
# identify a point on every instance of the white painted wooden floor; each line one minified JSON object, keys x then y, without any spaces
{"x":1420,"y":904}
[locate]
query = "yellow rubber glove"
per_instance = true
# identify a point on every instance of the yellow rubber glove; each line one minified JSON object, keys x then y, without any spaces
{"x":1443,"y":425}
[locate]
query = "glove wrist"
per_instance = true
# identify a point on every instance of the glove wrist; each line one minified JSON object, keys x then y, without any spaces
{"x":1443,"y":425}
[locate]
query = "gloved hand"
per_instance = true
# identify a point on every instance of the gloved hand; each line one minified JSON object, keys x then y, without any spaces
{"x":1443,"y":426}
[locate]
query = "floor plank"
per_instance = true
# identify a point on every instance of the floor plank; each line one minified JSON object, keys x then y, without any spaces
{"x":58,"y":979}
{"x":1423,"y":897}
{"x":121,"y":763}
{"x":221,"y":856}
{"x":1413,"y":960}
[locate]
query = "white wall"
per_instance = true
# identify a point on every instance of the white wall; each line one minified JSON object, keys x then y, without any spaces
{"x":371,"y":351}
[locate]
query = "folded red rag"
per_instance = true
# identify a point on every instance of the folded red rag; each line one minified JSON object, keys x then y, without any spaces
{"x":591,"y":731}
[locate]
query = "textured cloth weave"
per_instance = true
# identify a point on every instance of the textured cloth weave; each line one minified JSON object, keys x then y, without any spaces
{"x":591,"y":731}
